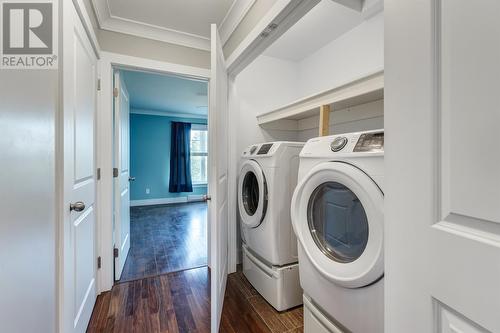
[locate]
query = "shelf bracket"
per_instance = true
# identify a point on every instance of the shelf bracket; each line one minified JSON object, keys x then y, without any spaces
{"x":324,"y":120}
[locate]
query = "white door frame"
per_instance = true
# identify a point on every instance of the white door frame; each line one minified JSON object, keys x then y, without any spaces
{"x":110,"y":61}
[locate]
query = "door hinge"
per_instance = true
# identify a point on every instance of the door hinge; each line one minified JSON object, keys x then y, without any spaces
{"x":98,"y":173}
{"x":115,"y":92}
{"x":99,"y":263}
{"x":115,"y":252}
{"x":115,"y":172}
{"x":98,"y":84}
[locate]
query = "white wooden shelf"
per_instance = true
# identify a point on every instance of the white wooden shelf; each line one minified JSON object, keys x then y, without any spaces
{"x":364,"y":90}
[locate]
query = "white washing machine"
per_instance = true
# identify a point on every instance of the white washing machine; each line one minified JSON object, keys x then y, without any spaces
{"x":337,"y":214}
{"x":267,"y":178}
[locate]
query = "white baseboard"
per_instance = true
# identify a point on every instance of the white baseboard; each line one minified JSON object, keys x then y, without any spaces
{"x":166,"y":201}
{"x":195,"y":197}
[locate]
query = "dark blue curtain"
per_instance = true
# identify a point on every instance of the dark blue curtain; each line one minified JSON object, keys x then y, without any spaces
{"x":180,"y":158}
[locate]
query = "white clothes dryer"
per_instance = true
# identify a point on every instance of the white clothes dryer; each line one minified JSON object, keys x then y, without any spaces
{"x":337,"y":215}
{"x":267,"y":178}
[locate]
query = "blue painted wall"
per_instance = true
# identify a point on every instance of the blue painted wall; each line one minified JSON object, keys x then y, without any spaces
{"x":150,"y":156}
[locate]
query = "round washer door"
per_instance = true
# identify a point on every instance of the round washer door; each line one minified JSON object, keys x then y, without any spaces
{"x":252,"y":194}
{"x":337,"y":214}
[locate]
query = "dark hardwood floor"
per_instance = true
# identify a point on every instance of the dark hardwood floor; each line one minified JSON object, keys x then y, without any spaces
{"x":166,"y":238}
{"x":174,"y":302}
{"x":246,"y":311}
{"x":180,"y":302}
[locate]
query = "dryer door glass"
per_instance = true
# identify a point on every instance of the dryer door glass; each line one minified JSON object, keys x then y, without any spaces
{"x":337,"y":222}
{"x":250,"y":193}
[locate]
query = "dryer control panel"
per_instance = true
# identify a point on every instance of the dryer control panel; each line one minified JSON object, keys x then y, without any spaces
{"x":370,"y":142}
{"x":347,"y":143}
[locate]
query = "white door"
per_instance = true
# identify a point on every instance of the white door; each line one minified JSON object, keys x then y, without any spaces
{"x":442,"y":208}
{"x":121,"y":176}
{"x":79,"y":211}
{"x":217,"y":182}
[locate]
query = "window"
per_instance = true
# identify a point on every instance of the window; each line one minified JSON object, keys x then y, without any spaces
{"x":199,"y":154}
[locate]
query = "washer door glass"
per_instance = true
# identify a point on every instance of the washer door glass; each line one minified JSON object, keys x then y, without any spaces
{"x":250,"y":193}
{"x":337,"y":222}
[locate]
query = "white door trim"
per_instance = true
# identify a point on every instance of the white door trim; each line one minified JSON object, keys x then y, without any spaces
{"x":107,"y":63}
{"x":234,"y":252}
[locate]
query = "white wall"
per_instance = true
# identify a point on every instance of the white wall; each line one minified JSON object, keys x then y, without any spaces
{"x":265,"y":84}
{"x":28,"y":110}
{"x":355,"y":54}
{"x":152,"y":49}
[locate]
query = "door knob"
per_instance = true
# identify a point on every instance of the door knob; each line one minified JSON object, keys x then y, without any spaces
{"x":77,"y":206}
{"x":207,"y":197}
{"x":131,"y":179}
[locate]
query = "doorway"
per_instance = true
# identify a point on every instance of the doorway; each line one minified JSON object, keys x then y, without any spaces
{"x":160,"y":157}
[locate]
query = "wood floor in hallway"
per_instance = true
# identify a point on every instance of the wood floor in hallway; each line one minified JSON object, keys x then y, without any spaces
{"x":174,"y":302}
{"x":166,"y":238}
{"x":180,"y":302}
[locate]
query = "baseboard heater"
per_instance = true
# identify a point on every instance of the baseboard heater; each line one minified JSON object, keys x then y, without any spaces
{"x":167,"y":201}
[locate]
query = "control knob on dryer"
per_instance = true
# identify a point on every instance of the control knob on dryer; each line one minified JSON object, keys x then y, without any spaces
{"x":338,"y":143}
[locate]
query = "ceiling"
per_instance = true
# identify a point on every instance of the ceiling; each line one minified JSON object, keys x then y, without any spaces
{"x":189,"y":16}
{"x":324,"y":23}
{"x":182,"y":22}
{"x":168,"y":95}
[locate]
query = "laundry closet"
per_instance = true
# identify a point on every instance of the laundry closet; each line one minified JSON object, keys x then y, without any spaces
{"x":323,"y":76}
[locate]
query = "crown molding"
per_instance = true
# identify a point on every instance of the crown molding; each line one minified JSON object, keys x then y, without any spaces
{"x":107,"y":21}
{"x":233,"y":18}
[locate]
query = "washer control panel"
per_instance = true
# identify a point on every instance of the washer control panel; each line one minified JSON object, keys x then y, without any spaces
{"x":264,"y":149}
{"x":260,"y":149}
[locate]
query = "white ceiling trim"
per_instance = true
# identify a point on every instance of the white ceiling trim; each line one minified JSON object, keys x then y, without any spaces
{"x":140,"y":29}
{"x":233,"y":18}
{"x":168,"y":114}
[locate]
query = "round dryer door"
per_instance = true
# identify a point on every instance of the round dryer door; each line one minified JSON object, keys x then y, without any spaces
{"x":252,"y":194}
{"x":337,"y":214}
